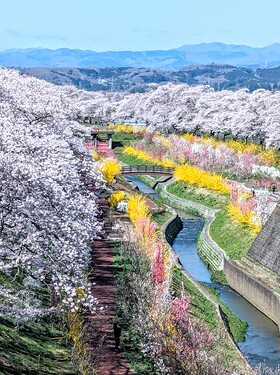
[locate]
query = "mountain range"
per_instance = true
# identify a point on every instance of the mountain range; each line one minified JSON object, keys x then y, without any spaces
{"x":173,"y":59}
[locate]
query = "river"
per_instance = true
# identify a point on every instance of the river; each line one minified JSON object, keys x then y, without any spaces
{"x":262,"y":339}
{"x":262,"y":342}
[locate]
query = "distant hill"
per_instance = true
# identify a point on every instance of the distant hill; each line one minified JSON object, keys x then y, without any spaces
{"x":140,"y":79}
{"x":173,"y":59}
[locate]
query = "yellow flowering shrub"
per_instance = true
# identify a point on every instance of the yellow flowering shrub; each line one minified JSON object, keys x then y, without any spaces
{"x":116,"y":197}
{"x":201,"y":178}
{"x":248,"y":218}
{"x":137,"y":208}
{"x":189,"y":137}
{"x":271,"y":156}
{"x":110,"y":168}
{"x":123,"y":128}
{"x":95,"y":155}
{"x":145,"y":157}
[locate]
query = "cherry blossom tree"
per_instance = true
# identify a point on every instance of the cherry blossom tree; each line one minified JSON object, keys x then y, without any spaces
{"x":197,"y":109}
{"x":47,"y":215}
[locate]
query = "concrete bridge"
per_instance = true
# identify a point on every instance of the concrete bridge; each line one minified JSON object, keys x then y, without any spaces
{"x":146,"y":169}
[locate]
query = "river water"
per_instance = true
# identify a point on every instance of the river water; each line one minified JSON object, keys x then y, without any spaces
{"x":142,"y":187}
{"x":262,"y":338}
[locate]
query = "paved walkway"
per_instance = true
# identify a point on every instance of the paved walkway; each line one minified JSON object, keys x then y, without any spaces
{"x":107,"y":359}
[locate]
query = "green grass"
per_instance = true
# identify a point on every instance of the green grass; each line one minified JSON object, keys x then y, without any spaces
{"x":201,"y":307}
{"x":218,"y":276}
{"x":141,"y":364}
{"x":126,"y":138}
{"x":198,"y":195}
{"x":235,"y":326}
{"x":161,"y":218}
{"x":233,"y":237}
{"x":149,"y":180}
{"x":131,"y":160}
{"x":33,"y":348}
{"x":124,"y":267}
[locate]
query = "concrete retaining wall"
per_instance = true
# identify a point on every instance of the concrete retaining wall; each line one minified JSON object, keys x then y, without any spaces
{"x":181,"y":204}
{"x":208,"y":253}
{"x":173,"y":227}
{"x":259,"y":295}
{"x":263,"y":298}
{"x":266,"y":247}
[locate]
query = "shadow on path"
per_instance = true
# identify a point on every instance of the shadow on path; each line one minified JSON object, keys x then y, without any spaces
{"x":100,"y":327}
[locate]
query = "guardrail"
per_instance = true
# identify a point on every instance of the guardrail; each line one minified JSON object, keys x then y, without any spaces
{"x":146,"y":169}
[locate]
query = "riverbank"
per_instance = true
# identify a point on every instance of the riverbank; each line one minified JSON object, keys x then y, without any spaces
{"x":195,"y":204}
{"x":204,"y":305}
{"x":262,"y":293}
{"x":215,"y":257}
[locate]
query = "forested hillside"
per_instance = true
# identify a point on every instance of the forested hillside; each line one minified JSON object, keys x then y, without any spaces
{"x":171,"y":59}
{"x":218,"y":76}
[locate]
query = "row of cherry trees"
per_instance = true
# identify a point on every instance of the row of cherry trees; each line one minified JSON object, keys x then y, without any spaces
{"x":47,"y":214}
{"x":195,"y":109}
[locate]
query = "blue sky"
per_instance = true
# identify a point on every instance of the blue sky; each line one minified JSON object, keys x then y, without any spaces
{"x":112,"y":25}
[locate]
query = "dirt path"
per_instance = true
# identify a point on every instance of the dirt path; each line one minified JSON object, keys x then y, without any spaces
{"x":107,"y":359}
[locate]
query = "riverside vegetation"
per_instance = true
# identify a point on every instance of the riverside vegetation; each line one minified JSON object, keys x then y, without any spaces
{"x":201,"y":306}
{"x":211,"y":199}
{"x":49,"y":216}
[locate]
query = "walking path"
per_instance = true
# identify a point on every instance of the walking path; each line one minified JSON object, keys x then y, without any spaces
{"x":107,"y":359}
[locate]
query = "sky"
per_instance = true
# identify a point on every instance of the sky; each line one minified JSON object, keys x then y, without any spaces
{"x":136,"y":25}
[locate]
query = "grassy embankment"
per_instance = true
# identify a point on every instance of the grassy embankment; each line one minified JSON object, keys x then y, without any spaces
{"x":200,"y":305}
{"x":223,"y":229}
{"x":201,"y":308}
{"x":233,"y":237}
{"x":34,"y":347}
{"x":126,"y":264}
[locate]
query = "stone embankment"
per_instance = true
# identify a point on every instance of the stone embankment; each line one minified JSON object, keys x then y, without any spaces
{"x":255,"y":289}
{"x":266,"y":247}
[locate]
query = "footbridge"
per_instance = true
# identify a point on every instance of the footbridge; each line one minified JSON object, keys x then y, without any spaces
{"x":146,"y":169}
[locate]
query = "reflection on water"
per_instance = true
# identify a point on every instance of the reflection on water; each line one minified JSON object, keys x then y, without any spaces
{"x":262,"y":339}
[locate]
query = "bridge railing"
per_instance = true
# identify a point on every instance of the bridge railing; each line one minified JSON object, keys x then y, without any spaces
{"x":126,"y":169}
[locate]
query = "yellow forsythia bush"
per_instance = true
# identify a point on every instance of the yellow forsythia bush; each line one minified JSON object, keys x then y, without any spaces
{"x":137,"y":208}
{"x":123,"y":128}
{"x":116,"y":197}
{"x":95,"y":155}
{"x":243,"y":147}
{"x":247,"y":218}
{"x":271,"y":156}
{"x":110,"y":168}
{"x":197,"y":176}
{"x":146,"y":158}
